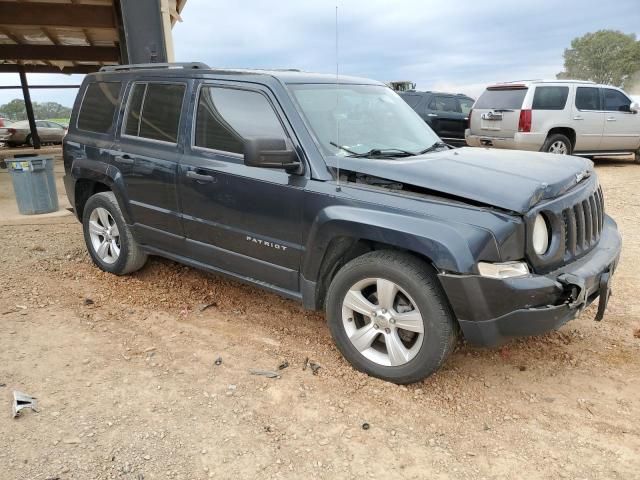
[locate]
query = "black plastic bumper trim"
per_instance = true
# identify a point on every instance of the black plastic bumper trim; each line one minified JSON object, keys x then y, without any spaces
{"x":490,"y":311}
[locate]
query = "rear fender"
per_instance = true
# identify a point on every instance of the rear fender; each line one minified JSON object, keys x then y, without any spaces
{"x":102,"y":172}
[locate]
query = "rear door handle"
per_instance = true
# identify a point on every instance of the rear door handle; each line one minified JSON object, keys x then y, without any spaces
{"x":578,"y":117}
{"x":124,"y":159}
{"x":611,"y":119}
{"x":432,"y":114}
{"x":198,"y":177}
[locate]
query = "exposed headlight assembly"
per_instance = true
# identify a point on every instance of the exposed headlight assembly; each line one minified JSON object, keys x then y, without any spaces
{"x":503,"y":270}
{"x":540,"y":235}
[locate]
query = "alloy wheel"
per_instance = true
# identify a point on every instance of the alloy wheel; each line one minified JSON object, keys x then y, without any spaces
{"x":104,"y":234}
{"x":558,"y":147}
{"x":382,"y":322}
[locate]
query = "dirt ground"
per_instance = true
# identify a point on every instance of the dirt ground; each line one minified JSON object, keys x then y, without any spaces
{"x":124,"y":371}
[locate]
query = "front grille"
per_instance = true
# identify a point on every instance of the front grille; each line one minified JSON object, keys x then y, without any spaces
{"x":583,"y":225}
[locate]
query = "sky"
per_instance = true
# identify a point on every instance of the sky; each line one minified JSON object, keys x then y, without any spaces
{"x":458,"y":46}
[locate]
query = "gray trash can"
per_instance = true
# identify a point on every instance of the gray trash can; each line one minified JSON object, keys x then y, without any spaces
{"x":34,"y":184}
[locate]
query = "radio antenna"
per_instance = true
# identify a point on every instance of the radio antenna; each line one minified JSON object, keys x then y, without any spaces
{"x":336,"y":107}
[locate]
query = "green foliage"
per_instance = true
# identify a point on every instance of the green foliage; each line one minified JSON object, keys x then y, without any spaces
{"x":14,"y":110}
{"x":606,"y":56}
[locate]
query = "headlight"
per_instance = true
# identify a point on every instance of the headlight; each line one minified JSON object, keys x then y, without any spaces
{"x":503,"y":270}
{"x":540,"y":235}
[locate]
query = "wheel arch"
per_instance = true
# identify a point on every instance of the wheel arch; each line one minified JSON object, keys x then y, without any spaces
{"x":568,"y":132}
{"x":91,"y":177}
{"x":344,"y":233}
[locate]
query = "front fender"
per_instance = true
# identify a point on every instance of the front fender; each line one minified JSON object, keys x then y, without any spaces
{"x":451,"y":246}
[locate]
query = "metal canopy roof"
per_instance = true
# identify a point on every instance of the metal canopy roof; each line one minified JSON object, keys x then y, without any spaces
{"x":65,"y":36}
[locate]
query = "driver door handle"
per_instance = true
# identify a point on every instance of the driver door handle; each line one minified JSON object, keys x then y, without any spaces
{"x":611,"y":119}
{"x":432,"y":114}
{"x":199,"y":177}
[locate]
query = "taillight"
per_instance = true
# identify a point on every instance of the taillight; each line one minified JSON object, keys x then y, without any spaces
{"x":524,"y":124}
{"x":11,"y":130}
{"x":469,"y":118}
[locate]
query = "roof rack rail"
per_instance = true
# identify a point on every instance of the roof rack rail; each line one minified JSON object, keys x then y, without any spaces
{"x":145,"y":66}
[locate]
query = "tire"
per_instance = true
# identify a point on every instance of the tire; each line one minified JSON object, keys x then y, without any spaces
{"x":418,"y":294}
{"x":28,"y":141}
{"x":120,"y":254}
{"x":637,"y":157}
{"x":557,"y":143}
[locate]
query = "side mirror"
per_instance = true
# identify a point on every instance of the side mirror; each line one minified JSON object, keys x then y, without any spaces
{"x":271,"y":153}
{"x":634,"y":108}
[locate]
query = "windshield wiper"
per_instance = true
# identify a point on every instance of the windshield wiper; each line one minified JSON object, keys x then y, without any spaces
{"x":376,"y":152}
{"x":343,"y":148}
{"x":433,"y":147}
{"x":384,"y":152}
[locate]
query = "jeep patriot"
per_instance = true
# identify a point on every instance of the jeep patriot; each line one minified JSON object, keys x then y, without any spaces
{"x":333,"y":192}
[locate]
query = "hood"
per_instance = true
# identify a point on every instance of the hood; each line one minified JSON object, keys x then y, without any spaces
{"x":509,"y":179}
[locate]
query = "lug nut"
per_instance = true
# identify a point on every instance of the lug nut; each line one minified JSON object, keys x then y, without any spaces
{"x":375,"y":326}
{"x":392,"y":321}
{"x":388,"y":330}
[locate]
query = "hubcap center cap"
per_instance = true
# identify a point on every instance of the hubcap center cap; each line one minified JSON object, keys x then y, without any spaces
{"x":382,"y":318}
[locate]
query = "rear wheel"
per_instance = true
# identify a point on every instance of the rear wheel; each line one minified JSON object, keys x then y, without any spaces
{"x":557,"y":143}
{"x":637,"y":156}
{"x":390,"y":318}
{"x":108,"y":238}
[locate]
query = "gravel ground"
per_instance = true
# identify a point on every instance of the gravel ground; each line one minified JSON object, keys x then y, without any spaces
{"x":128,"y":387}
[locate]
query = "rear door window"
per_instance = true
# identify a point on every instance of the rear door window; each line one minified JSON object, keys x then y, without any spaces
{"x":226,"y":116}
{"x":444,"y":104}
{"x":501,"y":98}
{"x":154,"y":111}
{"x":615,"y":101}
{"x":550,"y":98}
{"x":98,"y":106}
{"x":588,"y":98}
{"x":465,"y":105}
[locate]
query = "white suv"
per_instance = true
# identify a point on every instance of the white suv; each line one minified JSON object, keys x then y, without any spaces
{"x":566,"y":117}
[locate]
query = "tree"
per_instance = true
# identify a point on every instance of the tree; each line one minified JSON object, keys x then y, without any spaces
{"x":606,"y":56}
{"x":15,"y":110}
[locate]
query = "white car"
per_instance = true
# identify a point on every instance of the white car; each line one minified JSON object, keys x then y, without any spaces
{"x":562,"y":116}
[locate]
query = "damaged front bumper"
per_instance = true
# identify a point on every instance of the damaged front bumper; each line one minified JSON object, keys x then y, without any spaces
{"x":490,"y":310}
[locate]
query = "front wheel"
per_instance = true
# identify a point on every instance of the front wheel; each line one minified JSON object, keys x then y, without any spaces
{"x":390,"y":318}
{"x":108,"y":238}
{"x":557,"y":143}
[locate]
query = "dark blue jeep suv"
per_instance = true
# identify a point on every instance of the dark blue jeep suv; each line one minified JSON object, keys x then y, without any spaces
{"x":333,"y":192}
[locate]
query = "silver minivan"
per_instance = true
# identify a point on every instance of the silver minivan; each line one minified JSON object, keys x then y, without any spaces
{"x":562,"y":116}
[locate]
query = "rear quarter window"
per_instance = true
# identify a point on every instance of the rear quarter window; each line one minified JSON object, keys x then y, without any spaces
{"x":98,"y":106}
{"x":550,"y":98}
{"x":502,"y":99}
{"x":411,"y":99}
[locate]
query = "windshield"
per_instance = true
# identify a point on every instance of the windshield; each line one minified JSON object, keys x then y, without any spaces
{"x":356,"y":119}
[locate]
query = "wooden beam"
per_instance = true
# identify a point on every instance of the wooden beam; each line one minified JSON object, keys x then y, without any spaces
{"x":13,"y":37}
{"x":43,"y":14}
{"x":59,"y":52}
{"x":15,"y":68}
